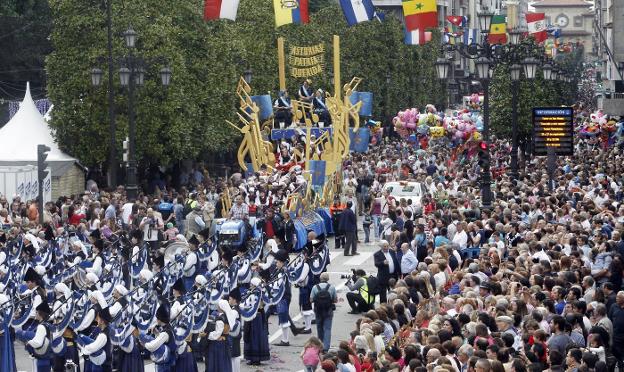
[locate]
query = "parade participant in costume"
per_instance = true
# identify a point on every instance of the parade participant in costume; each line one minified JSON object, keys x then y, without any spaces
{"x":305,"y":284}
{"x":96,"y":259}
{"x":290,"y":234}
{"x":283,"y":108}
{"x":127,"y":356}
{"x":59,"y":309}
{"x":320,"y":107}
{"x":185,"y":361}
{"x":285,"y":322}
{"x":37,"y":338}
{"x":160,"y":286}
{"x":256,"y":334}
{"x":35,"y":290}
{"x":191,"y":262}
{"x":177,"y":290}
{"x":270,"y":256}
{"x":218,"y":351}
{"x":305,"y":91}
{"x":98,"y":353}
{"x":162,"y":347}
{"x":7,"y":350}
{"x":209,"y":249}
{"x":234,"y":338}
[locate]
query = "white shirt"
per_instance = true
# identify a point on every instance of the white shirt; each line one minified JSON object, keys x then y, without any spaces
{"x":126,"y":212}
{"x":390,"y":262}
{"x":461,"y":239}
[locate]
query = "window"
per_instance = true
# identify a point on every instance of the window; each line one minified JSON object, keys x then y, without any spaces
{"x":578,"y":21}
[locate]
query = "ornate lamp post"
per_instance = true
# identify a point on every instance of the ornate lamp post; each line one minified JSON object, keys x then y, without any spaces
{"x":515,"y":53}
{"x":131,"y":75}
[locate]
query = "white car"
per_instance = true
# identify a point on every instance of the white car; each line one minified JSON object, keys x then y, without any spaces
{"x":413,"y":191}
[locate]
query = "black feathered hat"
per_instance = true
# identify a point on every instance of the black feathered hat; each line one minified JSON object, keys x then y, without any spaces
{"x":95,"y":234}
{"x":281,"y":255}
{"x":205,"y":233}
{"x":235,"y":294}
{"x":193,"y":240}
{"x":160,"y":261}
{"x":31,"y":275}
{"x":105,"y":315}
{"x":44,"y":308}
{"x":99,"y":244}
{"x":227,"y":254}
{"x":162,"y":314}
{"x":179,"y":286}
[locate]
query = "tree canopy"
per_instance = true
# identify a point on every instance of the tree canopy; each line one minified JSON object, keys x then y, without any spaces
{"x":187,"y":120}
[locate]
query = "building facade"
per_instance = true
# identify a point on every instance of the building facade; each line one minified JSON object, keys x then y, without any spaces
{"x":609,"y":49}
{"x":574,"y":18}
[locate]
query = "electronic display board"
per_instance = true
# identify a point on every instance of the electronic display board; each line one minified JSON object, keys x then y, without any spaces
{"x":553,"y":127}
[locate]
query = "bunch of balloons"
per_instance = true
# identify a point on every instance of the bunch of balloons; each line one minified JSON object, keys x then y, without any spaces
{"x":601,"y":126}
{"x":460,"y":127}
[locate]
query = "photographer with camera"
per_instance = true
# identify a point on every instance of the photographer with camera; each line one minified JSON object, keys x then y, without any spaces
{"x":362,"y":297}
{"x":151,"y":225}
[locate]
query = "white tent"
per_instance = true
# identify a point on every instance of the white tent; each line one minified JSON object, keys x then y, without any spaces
{"x":18,"y":146}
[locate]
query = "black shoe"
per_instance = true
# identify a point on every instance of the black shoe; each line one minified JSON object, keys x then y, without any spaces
{"x":313,"y":321}
{"x":354,"y":312}
{"x":282,"y":343}
{"x":355,"y":254}
{"x":346,"y":255}
{"x":297,"y":330}
{"x":306,"y":331}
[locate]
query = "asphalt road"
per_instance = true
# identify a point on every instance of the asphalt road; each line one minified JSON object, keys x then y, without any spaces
{"x":287,"y":358}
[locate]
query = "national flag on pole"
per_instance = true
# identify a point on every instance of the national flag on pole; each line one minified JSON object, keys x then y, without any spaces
{"x":218,"y":9}
{"x":455,"y":29}
{"x":317,"y":170}
{"x":357,"y":11}
{"x":420,"y":14}
{"x":471,"y":36}
{"x":537,"y":26}
{"x":417,"y":37}
{"x":459,"y":21}
{"x":498,"y":30}
{"x":290,"y":11}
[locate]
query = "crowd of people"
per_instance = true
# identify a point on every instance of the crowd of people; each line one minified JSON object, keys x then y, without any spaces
{"x":532,"y":283}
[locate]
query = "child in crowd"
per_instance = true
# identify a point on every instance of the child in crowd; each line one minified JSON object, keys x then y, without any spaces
{"x":311,"y":353}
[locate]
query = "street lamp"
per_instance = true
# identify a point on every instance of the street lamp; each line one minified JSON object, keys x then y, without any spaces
{"x":96,"y":77}
{"x":442,"y":68}
{"x":514,"y":36}
{"x":514,"y":71}
{"x":132,"y":74}
{"x":547,"y":70}
{"x":165,"y":76}
{"x":530,"y":66}
{"x":485,"y":20}
{"x":124,"y":76}
{"x":130,"y":37}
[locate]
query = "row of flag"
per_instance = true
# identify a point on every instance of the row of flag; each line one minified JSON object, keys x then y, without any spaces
{"x":457,"y":29}
{"x":420,"y":15}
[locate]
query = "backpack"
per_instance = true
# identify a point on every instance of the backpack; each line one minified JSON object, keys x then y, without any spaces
{"x":373,"y":285}
{"x":323,"y":302}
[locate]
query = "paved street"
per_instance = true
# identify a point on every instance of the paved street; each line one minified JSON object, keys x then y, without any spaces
{"x":287,"y":358}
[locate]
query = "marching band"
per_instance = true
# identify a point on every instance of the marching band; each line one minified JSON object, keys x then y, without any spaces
{"x":103,"y":304}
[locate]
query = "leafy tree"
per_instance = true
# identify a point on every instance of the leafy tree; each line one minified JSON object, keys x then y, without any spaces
{"x":187,"y":120}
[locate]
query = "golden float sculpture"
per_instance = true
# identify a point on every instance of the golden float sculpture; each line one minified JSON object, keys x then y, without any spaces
{"x":335,"y":145}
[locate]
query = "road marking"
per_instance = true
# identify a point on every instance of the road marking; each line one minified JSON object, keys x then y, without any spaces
{"x":358,"y":260}
{"x":277,"y":334}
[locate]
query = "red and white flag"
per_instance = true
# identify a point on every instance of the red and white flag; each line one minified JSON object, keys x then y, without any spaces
{"x":537,"y":26}
{"x":218,"y":9}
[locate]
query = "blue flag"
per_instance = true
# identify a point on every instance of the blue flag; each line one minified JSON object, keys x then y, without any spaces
{"x":356,"y":11}
{"x":250,"y":171}
{"x":317,"y":170}
{"x":359,"y":140}
{"x":7,"y":363}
